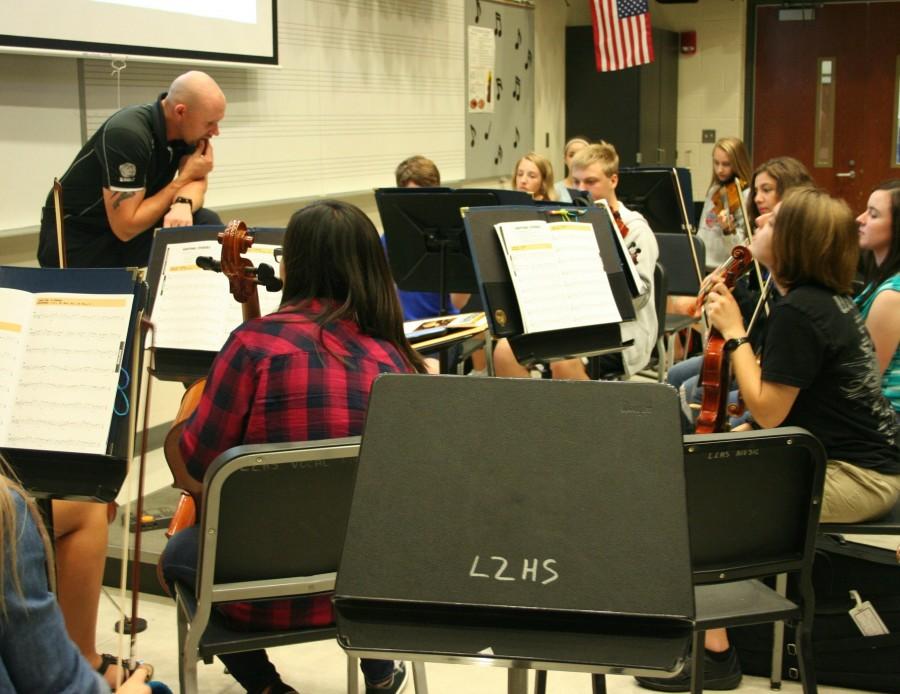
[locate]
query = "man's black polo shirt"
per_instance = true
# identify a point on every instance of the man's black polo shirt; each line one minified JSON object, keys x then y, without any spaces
{"x":129,"y":152}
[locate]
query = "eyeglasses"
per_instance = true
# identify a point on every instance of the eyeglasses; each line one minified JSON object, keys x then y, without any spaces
{"x":278,"y":253}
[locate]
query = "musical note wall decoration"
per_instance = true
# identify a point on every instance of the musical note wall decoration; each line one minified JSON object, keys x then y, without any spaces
{"x":506,"y":121}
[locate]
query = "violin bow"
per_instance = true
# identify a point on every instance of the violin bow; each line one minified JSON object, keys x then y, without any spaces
{"x":748,"y":235}
{"x":126,"y":665}
{"x":58,"y":209}
{"x":764,"y":294}
{"x":688,"y":227}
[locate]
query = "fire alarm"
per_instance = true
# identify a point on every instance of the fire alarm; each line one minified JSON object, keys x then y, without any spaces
{"x":688,"y":42}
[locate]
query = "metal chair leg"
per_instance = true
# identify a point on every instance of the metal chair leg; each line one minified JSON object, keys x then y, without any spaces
{"x":540,"y":682}
{"x":697,"y":661}
{"x":517,"y":681}
{"x":778,"y":638}
{"x":352,"y":674}
{"x":598,"y":684}
{"x":805,"y":658}
{"x":419,"y":679}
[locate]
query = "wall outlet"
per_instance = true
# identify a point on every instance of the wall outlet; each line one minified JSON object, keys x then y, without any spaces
{"x":708,"y":136}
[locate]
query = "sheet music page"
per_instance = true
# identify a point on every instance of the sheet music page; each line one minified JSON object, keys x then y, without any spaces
{"x":194,"y":308}
{"x":558,"y":275}
{"x":592,"y":300}
{"x":69,"y":372}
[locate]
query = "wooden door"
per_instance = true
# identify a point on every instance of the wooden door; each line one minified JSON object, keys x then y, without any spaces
{"x":862,"y":39}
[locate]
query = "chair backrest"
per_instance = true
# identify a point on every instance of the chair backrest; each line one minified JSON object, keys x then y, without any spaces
{"x":276,"y":512}
{"x":753,"y":502}
{"x":676,"y":256}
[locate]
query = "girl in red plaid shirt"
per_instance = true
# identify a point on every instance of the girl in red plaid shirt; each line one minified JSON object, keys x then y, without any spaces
{"x":302,"y":373}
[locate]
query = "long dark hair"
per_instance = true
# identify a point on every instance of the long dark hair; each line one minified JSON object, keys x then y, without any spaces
{"x":874,"y":274}
{"x":332,"y":253}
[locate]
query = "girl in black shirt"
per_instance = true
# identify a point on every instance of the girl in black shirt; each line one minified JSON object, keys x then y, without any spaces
{"x":818,"y":367}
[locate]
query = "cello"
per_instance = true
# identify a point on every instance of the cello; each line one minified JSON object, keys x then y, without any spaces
{"x":243,"y":282}
{"x":715,"y":374}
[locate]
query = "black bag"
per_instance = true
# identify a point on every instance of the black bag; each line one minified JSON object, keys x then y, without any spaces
{"x":843,"y":656}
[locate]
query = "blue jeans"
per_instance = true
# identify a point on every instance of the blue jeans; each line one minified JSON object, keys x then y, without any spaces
{"x":685,"y":376}
{"x":252,"y":669}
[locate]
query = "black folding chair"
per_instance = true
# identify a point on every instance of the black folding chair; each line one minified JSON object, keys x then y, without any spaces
{"x":753,"y":511}
{"x":273,"y":524}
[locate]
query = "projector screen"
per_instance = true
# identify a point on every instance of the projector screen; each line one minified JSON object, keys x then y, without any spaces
{"x":241,"y":31}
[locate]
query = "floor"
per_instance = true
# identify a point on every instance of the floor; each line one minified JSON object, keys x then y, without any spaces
{"x":319,"y":668}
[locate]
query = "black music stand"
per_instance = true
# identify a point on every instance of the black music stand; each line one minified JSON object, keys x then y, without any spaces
{"x":188,"y":365}
{"x":517,"y":534}
{"x":658,"y":194}
{"x":425,"y":238}
{"x":83,"y":476}
{"x":499,"y":298}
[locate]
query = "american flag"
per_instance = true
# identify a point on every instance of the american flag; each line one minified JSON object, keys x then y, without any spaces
{"x":622,"y":36}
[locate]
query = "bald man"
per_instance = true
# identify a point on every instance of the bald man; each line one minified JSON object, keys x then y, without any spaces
{"x":145,"y":167}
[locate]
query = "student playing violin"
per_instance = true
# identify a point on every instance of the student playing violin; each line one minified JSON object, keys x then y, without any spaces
{"x":818,"y":367}
{"x":721,"y":215}
{"x":770,"y":182}
{"x":303,"y":373}
{"x":818,"y":371}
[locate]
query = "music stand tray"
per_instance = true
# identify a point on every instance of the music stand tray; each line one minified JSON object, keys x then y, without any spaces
{"x":518,"y":534}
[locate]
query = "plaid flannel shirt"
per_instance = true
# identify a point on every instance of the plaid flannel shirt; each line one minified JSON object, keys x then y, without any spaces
{"x":278,"y":379}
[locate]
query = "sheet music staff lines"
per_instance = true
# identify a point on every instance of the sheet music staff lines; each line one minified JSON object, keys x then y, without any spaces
{"x":64,"y":352}
{"x":194,"y":308}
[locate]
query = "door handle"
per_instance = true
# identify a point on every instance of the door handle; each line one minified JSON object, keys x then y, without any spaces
{"x":847,"y":174}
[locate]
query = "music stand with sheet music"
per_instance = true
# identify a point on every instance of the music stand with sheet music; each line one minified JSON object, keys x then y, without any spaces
{"x":518,"y":533}
{"x":189,"y":365}
{"x":499,"y":297}
{"x":52,"y":474}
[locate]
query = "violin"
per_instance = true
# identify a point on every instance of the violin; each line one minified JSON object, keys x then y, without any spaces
{"x":728,"y":197}
{"x":715,"y":374}
{"x":243,"y":282}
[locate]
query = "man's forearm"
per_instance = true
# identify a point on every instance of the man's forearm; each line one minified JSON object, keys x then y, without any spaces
{"x":196,"y":191}
{"x":143,"y":216}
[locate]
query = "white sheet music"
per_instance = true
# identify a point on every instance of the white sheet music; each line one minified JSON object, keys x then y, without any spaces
{"x":193,"y":308}
{"x":64,"y":353}
{"x":558,"y":275}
